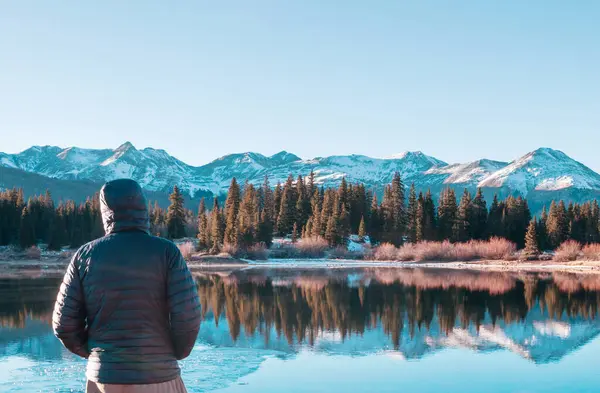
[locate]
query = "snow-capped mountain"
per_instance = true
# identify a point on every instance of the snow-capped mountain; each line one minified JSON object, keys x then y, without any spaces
{"x":540,"y":174}
{"x":543,"y":170}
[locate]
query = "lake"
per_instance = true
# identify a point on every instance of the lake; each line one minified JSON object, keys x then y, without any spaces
{"x":271,"y":329}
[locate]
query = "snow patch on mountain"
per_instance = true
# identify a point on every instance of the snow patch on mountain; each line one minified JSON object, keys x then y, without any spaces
{"x":469,"y":173}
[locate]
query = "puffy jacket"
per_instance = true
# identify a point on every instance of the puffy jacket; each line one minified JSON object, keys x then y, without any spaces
{"x":128,"y":302}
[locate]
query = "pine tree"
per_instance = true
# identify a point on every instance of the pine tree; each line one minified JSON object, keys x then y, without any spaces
{"x":295,"y":233}
{"x":557,"y":224}
{"x":541,"y":230}
{"x":362,"y":230}
{"x":248,"y":218}
{"x":203,"y":229}
{"x":267,"y":215}
{"x":302,"y":203}
{"x":58,"y":234}
{"x":287,"y":209}
{"x":26,"y":231}
{"x":316,"y":207}
{"x":277,"y":203}
{"x":495,"y":227}
{"x":232,"y":206}
{"x":479,"y":217}
{"x":464,"y":218}
{"x":412,"y":214}
{"x":447,"y":212}
{"x":375,"y":222}
{"x":532,"y":248}
{"x":176,"y":215}
{"x":344,"y":224}
{"x":332,"y":233}
{"x":216,"y":228}
{"x":394,"y":211}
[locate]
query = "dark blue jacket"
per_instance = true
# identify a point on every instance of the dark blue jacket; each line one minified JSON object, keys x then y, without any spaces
{"x":128,"y":302}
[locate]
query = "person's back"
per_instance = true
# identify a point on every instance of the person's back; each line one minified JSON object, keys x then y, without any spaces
{"x":128,"y":302}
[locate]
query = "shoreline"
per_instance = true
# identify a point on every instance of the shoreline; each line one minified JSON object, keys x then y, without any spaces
{"x":31,"y":268}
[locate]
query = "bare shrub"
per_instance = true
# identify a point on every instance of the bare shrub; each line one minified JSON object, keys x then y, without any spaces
{"x":407,"y":252}
{"x":568,"y":251}
{"x":33,"y":252}
{"x":498,"y":248}
{"x":186,"y":249}
{"x":313,"y":247}
{"x":591,"y":252}
{"x":230,"y":249}
{"x":257,"y":252}
{"x":386,"y":252}
{"x":433,"y":251}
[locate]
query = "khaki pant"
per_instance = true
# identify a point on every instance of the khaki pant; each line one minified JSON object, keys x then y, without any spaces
{"x":174,"y":386}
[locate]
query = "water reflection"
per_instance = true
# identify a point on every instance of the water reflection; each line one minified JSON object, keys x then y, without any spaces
{"x":404,"y":312}
{"x":409,"y":312}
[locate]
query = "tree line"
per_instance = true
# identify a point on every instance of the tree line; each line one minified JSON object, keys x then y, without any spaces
{"x":299,"y":208}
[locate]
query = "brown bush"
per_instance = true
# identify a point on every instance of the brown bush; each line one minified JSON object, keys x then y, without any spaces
{"x":407,"y":252}
{"x":386,"y":252}
{"x":313,"y":247}
{"x":498,"y":248}
{"x":257,"y":252}
{"x":186,"y":249}
{"x":591,"y":252}
{"x":568,"y":251}
{"x":434,"y":251}
{"x":33,"y":252}
{"x":230,"y":250}
{"x":494,"y":249}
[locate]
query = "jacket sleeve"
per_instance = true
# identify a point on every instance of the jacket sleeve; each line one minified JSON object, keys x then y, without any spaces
{"x":184,"y":306}
{"x":69,"y":317}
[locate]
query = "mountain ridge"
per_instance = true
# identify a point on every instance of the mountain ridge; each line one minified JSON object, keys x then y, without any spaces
{"x":542,"y":173}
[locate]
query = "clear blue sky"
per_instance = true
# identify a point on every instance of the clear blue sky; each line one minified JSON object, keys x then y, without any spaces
{"x":459,"y":80}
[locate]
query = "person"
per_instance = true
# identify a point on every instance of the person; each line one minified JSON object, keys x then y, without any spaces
{"x":128,"y":302}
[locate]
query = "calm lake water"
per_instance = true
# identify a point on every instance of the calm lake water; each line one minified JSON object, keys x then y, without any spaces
{"x":266,"y":329}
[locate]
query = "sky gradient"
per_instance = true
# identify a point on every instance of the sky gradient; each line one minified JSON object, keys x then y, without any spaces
{"x":458,"y":80}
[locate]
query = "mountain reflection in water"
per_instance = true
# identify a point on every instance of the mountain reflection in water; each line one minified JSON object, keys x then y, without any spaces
{"x":405,"y":312}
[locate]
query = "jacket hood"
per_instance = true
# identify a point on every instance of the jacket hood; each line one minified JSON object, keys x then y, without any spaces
{"x":123,"y":206}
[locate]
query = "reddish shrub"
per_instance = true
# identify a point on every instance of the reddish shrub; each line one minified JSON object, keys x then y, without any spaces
{"x":386,"y":252}
{"x":591,"y":252}
{"x":568,"y":251}
{"x":257,"y":252}
{"x":313,"y":247}
{"x":186,"y":249}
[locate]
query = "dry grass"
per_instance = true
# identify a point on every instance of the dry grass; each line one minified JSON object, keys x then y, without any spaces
{"x":591,"y":252}
{"x":568,"y":251}
{"x":494,"y":249}
{"x":187,"y":250}
{"x":33,"y":252}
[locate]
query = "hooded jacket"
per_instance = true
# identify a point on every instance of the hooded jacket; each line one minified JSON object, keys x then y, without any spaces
{"x":128,"y":302}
